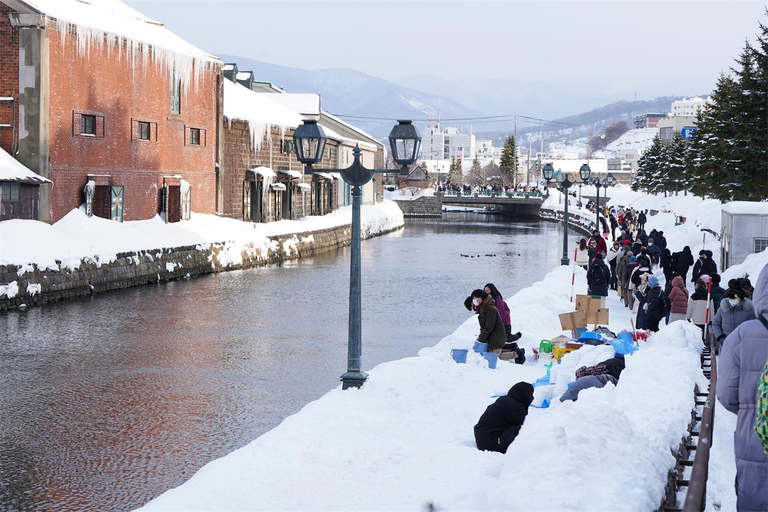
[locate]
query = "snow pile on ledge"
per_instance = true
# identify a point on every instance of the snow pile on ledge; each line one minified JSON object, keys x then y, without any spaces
{"x":406,"y":438}
{"x":76,"y":237}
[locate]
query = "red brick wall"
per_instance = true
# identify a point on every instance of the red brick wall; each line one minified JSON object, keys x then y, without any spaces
{"x":9,"y":72}
{"x":111,"y":87}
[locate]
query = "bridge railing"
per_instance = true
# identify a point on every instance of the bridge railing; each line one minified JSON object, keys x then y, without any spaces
{"x":485,"y":193}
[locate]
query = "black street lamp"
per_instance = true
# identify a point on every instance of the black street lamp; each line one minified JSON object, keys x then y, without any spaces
{"x":548,"y":171}
{"x":405,"y":142}
{"x":596,"y":183}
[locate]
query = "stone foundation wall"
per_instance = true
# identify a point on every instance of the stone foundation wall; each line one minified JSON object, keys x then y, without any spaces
{"x":38,"y":286}
{"x":424,"y":206}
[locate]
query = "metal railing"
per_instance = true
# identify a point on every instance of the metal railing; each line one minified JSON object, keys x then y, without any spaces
{"x":695,"y":497}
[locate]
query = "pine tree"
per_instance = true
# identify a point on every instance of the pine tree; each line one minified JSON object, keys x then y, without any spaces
{"x":508,"y":162}
{"x":675,"y":161}
{"x":648,"y":167}
{"x":455,"y":174}
{"x":476,"y":176}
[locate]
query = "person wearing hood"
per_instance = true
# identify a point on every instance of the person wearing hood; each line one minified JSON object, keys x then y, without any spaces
{"x":598,"y":276}
{"x":744,"y":355}
{"x":654,"y":251}
{"x":734,"y":310}
{"x":704,"y":266}
{"x":678,"y":297}
{"x":500,"y":424}
{"x":683,"y":261}
{"x":492,"y":329}
{"x":660,"y":240}
{"x":667,"y":265}
{"x":698,"y":305}
{"x":595,"y":377}
{"x":656,"y":304}
{"x":717,"y":292}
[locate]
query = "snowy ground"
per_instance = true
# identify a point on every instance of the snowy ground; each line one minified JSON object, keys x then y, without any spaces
{"x":76,"y":237}
{"x":405,"y":439}
{"x":408,"y":193}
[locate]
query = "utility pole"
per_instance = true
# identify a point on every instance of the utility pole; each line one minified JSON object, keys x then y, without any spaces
{"x":528,"y":165}
{"x":515,"y":155}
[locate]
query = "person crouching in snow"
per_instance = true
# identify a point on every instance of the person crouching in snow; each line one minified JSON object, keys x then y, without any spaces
{"x":595,"y":377}
{"x":503,"y":309}
{"x":492,"y":329}
{"x":501,"y":422}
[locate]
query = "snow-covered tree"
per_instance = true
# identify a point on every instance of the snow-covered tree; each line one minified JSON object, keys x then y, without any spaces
{"x":508,"y":162}
{"x":455,"y":174}
{"x":476,"y":176}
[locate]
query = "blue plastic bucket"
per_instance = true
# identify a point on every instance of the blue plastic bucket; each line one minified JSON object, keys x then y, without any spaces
{"x":460,"y":355}
{"x":492,"y":359}
{"x":579,"y":331}
{"x":480,"y":348}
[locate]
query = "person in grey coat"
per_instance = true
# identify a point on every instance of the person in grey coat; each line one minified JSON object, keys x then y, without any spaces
{"x":734,"y":311}
{"x":744,"y":354}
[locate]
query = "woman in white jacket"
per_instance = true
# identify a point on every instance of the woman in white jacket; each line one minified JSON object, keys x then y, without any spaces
{"x":613,"y":252}
{"x":582,"y":254}
{"x":697,"y":306}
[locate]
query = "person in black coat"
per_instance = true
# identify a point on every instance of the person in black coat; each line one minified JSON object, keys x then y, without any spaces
{"x":598,"y":276}
{"x":704,"y":265}
{"x":641,"y":220}
{"x":683,"y":262}
{"x":501,"y":421}
{"x":667,"y":265}
{"x":660,"y":240}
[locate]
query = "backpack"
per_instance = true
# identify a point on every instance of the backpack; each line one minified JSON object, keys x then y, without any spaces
{"x":598,"y":275}
{"x":666,"y":304}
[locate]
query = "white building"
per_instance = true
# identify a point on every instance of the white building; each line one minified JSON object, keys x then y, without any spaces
{"x":682,"y":125}
{"x":446,"y":144}
{"x":689,"y":106}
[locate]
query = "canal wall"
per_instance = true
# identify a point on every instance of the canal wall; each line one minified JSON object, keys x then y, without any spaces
{"x":28,"y":285}
{"x":424,"y":206}
{"x":576,"y":221}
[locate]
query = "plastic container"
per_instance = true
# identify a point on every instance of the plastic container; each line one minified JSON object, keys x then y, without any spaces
{"x":459,"y":355}
{"x":492,"y":359}
{"x":626,"y":336}
{"x":480,"y":348}
{"x":545,"y":346}
{"x":542,"y":394}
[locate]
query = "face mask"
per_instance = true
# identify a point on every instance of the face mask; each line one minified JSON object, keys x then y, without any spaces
{"x":702,"y":258}
{"x":650,"y":244}
{"x":734,"y":302}
{"x":476,"y":302}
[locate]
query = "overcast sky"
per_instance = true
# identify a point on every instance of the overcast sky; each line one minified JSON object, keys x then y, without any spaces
{"x":651,"y":47}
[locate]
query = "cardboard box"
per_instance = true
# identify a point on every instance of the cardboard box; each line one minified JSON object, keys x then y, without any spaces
{"x":598,"y":317}
{"x":573,"y":320}
{"x":588,"y":303}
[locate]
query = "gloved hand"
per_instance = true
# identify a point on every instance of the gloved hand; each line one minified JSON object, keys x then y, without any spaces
{"x":645,"y":307}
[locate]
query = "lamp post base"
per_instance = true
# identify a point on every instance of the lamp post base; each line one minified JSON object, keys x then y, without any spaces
{"x":564,"y":261}
{"x":353,"y":379}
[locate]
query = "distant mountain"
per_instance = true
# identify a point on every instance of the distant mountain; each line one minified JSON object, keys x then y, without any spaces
{"x":353,"y":93}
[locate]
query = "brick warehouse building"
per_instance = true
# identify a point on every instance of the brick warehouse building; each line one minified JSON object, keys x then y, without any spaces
{"x":103,"y":95}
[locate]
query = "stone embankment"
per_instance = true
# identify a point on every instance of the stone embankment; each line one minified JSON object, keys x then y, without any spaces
{"x":29,"y":285}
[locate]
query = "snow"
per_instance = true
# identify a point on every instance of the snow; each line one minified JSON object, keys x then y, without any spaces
{"x":77,"y":238}
{"x":408,"y":194}
{"x":409,"y":428}
{"x":111,"y":25}
{"x":10,"y":290}
{"x":640,"y":138}
{"x":34,"y":289}
{"x":13,"y":170}
{"x":746,"y":208}
{"x":262,"y":114}
{"x":294,"y":174}
{"x":264,"y":171}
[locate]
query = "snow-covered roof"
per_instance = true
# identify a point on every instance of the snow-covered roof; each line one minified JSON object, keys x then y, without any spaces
{"x":263,"y":171}
{"x":640,"y":138}
{"x":746,"y":208}
{"x":99,"y":21}
{"x":244,"y":75}
{"x":259,"y":110}
{"x":13,"y":170}
{"x":304,"y":186}
{"x":324,"y":175}
{"x":277,"y":186}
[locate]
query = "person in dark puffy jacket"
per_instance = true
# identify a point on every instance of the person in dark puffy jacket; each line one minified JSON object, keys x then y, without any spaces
{"x":683,"y":261}
{"x":492,"y":329}
{"x":704,"y":266}
{"x":598,"y":276}
{"x":654,"y":251}
{"x":660,"y":240}
{"x":717,"y":292}
{"x":501,"y":422}
{"x":744,"y":355}
{"x":655,"y":304}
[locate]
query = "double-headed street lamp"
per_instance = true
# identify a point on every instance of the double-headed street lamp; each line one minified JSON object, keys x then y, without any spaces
{"x":548,"y":171}
{"x":608,"y":181}
{"x":309,"y":142}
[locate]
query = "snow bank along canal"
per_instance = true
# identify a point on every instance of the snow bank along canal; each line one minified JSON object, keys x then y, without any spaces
{"x":109,"y":401}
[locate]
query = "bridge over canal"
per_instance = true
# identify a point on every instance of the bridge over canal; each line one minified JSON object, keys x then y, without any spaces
{"x":432,"y":206}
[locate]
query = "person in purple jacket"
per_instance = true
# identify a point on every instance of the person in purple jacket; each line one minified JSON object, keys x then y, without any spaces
{"x":744,"y":354}
{"x":503,"y":310}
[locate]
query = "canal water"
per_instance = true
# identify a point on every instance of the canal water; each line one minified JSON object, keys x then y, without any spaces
{"x":106,"y":402}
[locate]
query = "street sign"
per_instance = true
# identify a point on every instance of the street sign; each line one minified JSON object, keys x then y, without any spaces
{"x":689,"y":132}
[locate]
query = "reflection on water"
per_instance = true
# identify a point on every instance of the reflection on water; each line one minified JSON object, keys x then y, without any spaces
{"x":108,"y":401}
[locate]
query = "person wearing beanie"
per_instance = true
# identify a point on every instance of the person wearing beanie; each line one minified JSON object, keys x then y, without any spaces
{"x":657,"y":304}
{"x":501,"y":422}
{"x":716,"y":291}
{"x":698,"y":305}
{"x":734,"y":310}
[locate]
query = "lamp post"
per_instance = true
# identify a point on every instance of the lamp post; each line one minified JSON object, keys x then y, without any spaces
{"x":548,"y":171}
{"x":405,"y":143}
